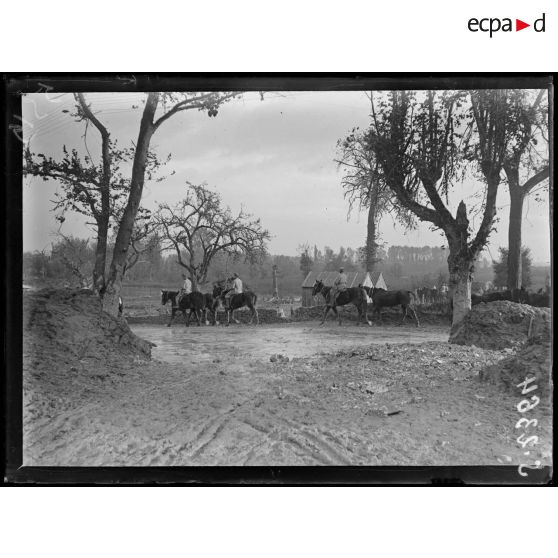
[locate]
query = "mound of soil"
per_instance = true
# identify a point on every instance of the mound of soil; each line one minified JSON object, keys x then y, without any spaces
{"x":66,"y":326}
{"x":534,"y":359}
{"x":501,"y":324}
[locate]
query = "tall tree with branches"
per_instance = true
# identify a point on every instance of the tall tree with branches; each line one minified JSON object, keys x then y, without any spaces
{"x":526,"y":167}
{"x":199,"y":227}
{"x":363,"y":187}
{"x":501,"y":268}
{"x":97,"y":190}
{"x":93,"y":187}
{"x":418,"y":140}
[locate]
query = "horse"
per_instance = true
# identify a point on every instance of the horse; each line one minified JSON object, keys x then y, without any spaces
{"x":240,"y":300}
{"x":513,"y":295}
{"x":191,"y":301}
{"x":475,"y":299}
{"x":209,"y":307}
{"x":351,"y":295}
{"x":381,"y":298}
{"x":540,"y":299}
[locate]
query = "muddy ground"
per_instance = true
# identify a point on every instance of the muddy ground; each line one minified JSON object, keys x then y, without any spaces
{"x":265,"y":396}
{"x":179,"y":344}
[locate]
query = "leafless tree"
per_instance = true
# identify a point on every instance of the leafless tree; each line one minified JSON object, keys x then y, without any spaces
{"x":198,"y":228}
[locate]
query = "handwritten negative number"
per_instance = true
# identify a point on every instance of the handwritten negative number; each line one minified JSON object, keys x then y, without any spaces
{"x":524,"y":405}
{"x":526,"y":422}
{"x":537,"y":465}
{"x":523,"y":443}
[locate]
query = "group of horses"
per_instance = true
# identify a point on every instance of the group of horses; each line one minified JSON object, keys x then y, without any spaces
{"x":209,"y":304}
{"x":358,"y":296}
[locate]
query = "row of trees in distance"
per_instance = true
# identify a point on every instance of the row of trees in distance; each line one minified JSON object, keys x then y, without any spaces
{"x":70,"y":263}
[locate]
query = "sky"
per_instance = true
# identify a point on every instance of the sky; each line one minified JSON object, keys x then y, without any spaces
{"x":275,"y":158}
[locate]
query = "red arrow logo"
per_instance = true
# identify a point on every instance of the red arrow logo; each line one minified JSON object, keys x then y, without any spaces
{"x":519,"y":25}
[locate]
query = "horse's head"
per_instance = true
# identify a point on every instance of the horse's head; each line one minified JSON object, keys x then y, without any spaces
{"x":168,"y":295}
{"x":217,"y":290}
{"x":318,"y":286}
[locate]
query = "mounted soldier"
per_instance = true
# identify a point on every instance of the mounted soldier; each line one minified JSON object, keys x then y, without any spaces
{"x":236,"y":287}
{"x":339,"y":285}
{"x":231,"y":295}
{"x":186,"y":287}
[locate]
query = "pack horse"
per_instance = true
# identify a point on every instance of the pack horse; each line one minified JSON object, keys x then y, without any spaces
{"x":382,"y":298}
{"x":351,"y":295}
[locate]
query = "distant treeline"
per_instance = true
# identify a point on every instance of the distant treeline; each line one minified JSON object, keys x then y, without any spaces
{"x":70,"y":263}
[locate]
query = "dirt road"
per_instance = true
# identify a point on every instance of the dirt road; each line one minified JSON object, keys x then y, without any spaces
{"x":202,"y":344}
{"x":241,"y":395}
{"x":370,"y":404}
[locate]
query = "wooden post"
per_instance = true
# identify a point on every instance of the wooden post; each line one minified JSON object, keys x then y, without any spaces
{"x":275,"y":290}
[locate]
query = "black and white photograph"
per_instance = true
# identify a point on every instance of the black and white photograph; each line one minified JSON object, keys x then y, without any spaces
{"x":281,"y":275}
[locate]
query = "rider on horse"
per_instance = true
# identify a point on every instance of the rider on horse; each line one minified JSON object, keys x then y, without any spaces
{"x":236,"y":287}
{"x":186,"y":288}
{"x":339,"y":285}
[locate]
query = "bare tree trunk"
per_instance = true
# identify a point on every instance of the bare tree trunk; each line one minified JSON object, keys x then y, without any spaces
{"x":514,"y":237}
{"x":100,"y":257}
{"x":460,"y":279}
{"x":104,"y":216}
{"x":194,"y":281}
{"x":371,"y":244}
{"x":122,"y":243}
{"x":275,"y":288}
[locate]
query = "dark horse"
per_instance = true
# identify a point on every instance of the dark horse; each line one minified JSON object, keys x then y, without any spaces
{"x":192,"y":301}
{"x":236,"y":301}
{"x":513,"y":295}
{"x":382,"y":298}
{"x":352,"y":295}
{"x":208,"y":307}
